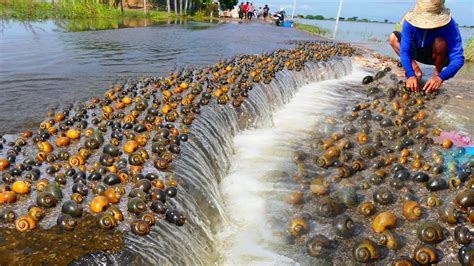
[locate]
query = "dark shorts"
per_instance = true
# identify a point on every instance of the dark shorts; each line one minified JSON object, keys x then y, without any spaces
{"x":422,"y":55}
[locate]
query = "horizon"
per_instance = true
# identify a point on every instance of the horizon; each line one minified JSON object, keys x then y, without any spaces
{"x":462,"y":10}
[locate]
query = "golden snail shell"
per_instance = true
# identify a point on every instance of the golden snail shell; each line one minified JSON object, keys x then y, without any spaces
{"x":411,"y":210}
{"x":384,"y":221}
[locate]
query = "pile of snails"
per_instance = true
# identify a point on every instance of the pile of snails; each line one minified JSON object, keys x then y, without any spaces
{"x":112,"y":155}
{"x":388,"y":193}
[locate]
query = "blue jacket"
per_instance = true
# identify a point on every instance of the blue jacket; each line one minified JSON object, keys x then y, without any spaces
{"x":425,"y":38}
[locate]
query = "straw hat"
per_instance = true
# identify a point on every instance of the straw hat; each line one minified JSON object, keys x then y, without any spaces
{"x":429,"y":14}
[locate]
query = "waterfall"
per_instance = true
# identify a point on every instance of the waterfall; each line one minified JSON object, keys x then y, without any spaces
{"x":220,"y":186}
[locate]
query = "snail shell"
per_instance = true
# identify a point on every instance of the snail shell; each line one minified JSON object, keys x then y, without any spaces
{"x":464,"y":200}
{"x":25,"y":223}
{"x":466,"y":255}
{"x":366,"y":208}
{"x":318,"y":246}
{"x":106,"y":220}
{"x":347,"y":196}
{"x":72,"y":208}
{"x":430,"y":232}
{"x":433,"y":201}
{"x":99,"y":204}
{"x":140,"y":227}
{"x":463,"y":235}
{"x":365,"y":251}
{"x":136,"y":205}
{"x":447,"y":213}
{"x":383,"y":196}
{"x":46,"y":200}
{"x":436,"y":184}
{"x":389,"y":239}
{"x":319,"y":186}
{"x":344,"y":226}
{"x":116,"y":213}
{"x":384,"y":221}
{"x":149,"y":218}
{"x":21,"y":187}
{"x":328,"y":208}
{"x":36,"y":212}
{"x":404,"y":261}
{"x":298,"y":227}
{"x":66,"y":222}
{"x":7,"y":216}
{"x":425,"y":255}
{"x":411,"y":210}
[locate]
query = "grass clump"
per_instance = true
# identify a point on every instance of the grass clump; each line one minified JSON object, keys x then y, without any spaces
{"x":311,"y":29}
{"x":469,"y":51}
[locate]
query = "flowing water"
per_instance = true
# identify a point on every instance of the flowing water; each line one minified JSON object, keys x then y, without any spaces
{"x":235,"y":170}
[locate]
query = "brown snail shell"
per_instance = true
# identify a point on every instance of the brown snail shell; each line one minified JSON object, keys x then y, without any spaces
{"x":328,"y":208}
{"x":447,"y":213}
{"x":36,"y":212}
{"x":425,"y":255}
{"x":404,"y":261}
{"x":411,"y":210}
{"x":106,"y":220}
{"x":148,"y":217}
{"x":365,"y":251}
{"x":116,"y":213}
{"x":66,"y":222}
{"x":318,"y":246}
{"x":298,"y":227}
{"x":319,"y":186}
{"x":384,"y":221}
{"x":25,"y":223}
{"x":463,"y":235}
{"x":430,"y":232}
{"x":433,"y":201}
{"x":390,"y":240}
{"x":344,"y":226}
{"x":140,"y":227}
{"x":366,"y":208}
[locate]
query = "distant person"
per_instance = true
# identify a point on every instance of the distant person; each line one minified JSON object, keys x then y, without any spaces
{"x":241,"y":11}
{"x":266,"y":11}
{"x":246,"y":9}
{"x":251,"y":10}
{"x":430,"y":36}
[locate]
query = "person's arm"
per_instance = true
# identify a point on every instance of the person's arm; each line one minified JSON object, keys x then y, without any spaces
{"x":406,"y":52}
{"x":455,"y":52}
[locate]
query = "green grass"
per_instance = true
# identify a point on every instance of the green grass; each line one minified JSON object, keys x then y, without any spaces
{"x":69,"y":9}
{"x":469,"y":51}
{"x":311,"y":29}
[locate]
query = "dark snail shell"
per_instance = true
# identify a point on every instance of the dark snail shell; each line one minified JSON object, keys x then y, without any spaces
{"x":158,"y":207}
{"x":111,"y":179}
{"x":447,"y":213}
{"x":143,"y":184}
{"x":436,"y":184}
{"x":72,"y":208}
{"x":46,"y":200}
{"x":466,"y":255}
{"x":430,"y":232}
{"x":140,"y":227}
{"x":421,"y":177}
{"x":347,"y":196}
{"x":54,"y":190}
{"x":106,"y":220}
{"x":136,"y":205}
{"x":390,"y":240}
{"x":383,"y":196}
{"x":425,"y":255}
{"x":7,"y":216}
{"x":464,"y":200}
{"x":66,"y":222}
{"x":463,"y":235}
{"x":318,"y":246}
{"x":367,"y":79}
{"x":328,"y":208}
{"x":365,"y":251}
{"x":344,"y":226}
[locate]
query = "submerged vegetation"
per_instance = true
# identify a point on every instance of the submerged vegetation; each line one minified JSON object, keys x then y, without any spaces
{"x":311,"y":29}
{"x":469,"y":51}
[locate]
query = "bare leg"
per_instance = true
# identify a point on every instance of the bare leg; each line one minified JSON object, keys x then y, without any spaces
{"x":396,"y":47}
{"x":440,"y":54}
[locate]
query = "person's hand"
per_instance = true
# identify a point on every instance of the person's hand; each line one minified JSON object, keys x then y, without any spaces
{"x":412,"y":84}
{"x":433,"y":84}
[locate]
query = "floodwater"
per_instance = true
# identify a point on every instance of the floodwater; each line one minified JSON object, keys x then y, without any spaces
{"x":43,"y":66}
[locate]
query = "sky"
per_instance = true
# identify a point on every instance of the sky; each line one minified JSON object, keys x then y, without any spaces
{"x":393,"y":10}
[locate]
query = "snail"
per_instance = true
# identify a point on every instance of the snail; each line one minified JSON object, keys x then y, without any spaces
{"x":106,"y":220}
{"x":464,"y":200}
{"x":140,"y":227}
{"x":366,"y":208}
{"x":328,"y":208}
{"x":389,"y":239}
{"x":148,"y":217}
{"x":430,"y":232}
{"x":425,"y":255}
{"x":463,"y":235}
{"x":365,"y":251}
{"x":383,"y":196}
{"x":384,"y":221}
{"x":46,"y":200}
{"x":21,"y":187}
{"x":36,"y":212}
{"x":433,"y":201}
{"x":72,"y":208}
{"x":347,"y":196}
{"x":466,"y":255}
{"x":318,"y":246}
{"x":298,"y":227}
{"x":136,"y":205}
{"x":66,"y":222}
{"x":447,"y":213}
{"x":404,"y":261}
{"x":99,"y":204}
{"x":7,"y":216}
{"x":25,"y":223}
{"x":411,"y":210}
{"x":344,"y":226}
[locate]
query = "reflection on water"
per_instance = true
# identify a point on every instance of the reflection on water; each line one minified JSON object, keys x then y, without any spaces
{"x":42,"y":66}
